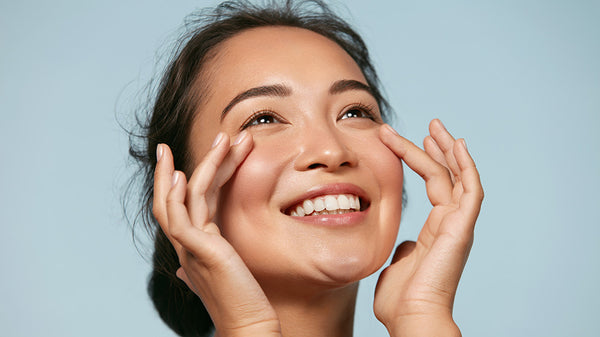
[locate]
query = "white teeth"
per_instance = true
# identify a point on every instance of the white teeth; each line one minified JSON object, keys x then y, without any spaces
{"x":343,"y":202}
{"x":329,"y":204}
{"x":319,"y":205}
{"x":308,"y":206}
{"x":354,"y":202}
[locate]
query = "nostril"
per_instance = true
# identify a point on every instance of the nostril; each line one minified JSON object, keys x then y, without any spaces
{"x":315,"y":165}
{"x":319,"y":165}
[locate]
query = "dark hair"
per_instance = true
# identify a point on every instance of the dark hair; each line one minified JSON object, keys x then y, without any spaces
{"x":169,"y":120}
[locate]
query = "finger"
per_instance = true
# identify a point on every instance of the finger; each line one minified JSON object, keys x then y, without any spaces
{"x":436,"y":176}
{"x":403,"y":250}
{"x":163,"y":174}
{"x":238,"y":152}
{"x":472,"y":196}
{"x":445,"y":141}
{"x":179,"y":226}
{"x":433,"y":150}
{"x":212,"y":174}
{"x":203,"y":175}
{"x":182,"y":275}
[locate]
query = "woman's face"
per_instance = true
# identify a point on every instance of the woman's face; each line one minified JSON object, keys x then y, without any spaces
{"x":315,"y":128}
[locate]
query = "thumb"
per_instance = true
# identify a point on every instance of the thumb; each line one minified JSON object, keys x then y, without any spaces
{"x":403,"y":250}
{"x":180,"y":273}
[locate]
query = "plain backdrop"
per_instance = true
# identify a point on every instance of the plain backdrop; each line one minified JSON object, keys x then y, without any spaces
{"x":519,"y":79}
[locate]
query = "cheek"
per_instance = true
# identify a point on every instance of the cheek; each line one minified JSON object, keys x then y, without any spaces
{"x":389,"y":168}
{"x":245,"y":199}
{"x":385,"y":166}
{"x":390,"y":177}
{"x":388,"y":174}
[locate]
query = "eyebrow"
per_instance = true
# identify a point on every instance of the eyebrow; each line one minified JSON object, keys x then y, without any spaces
{"x":280,"y":90}
{"x":275,"y":90}
{"x":345,"y":85}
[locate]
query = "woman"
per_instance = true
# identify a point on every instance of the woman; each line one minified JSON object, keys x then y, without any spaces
{"x":277,"y":186}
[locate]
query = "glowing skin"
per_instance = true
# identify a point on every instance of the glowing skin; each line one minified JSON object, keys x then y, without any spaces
{"x":311,"y":140}
{"x":312,"y":150}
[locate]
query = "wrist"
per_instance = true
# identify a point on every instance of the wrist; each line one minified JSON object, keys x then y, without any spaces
{"x":425,"y":326}
{"x":271,"y":328}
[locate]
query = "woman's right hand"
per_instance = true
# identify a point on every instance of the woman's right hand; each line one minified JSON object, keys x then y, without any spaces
{"x":210,"y":266}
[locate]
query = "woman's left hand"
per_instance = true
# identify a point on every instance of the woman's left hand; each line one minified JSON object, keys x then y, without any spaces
{"x":415,"y":294}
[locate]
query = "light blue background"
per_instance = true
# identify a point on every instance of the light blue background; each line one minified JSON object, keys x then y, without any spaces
{"x":520,"y":80}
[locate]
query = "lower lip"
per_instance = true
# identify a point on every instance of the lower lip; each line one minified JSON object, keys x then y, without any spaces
{"x":334,"y":220}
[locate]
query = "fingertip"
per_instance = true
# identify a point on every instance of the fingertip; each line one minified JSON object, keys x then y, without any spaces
{"x":460,"y":146}
{"x":429,"y":141}
{"x":429,"y":144}
{"x":218,"y":139}
{"x":464,"y":144}
{"x":440,"y":124}
{"x":159,"y":152}
{"x":463,"y":157}
{"x":436,"y":123}
{"x":389,"y":136}
{"x":389,"y":129}
{"x":175,"y":178}
{"x":176,"y":196}
{"x":392,"y":139}
{"x":180,"y":273}
{"x":164,"y":157}
{"x":243,"y":142}
{"x":241,"y":137}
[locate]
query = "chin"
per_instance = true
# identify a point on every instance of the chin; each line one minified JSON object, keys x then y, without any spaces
{"x":344,"y":270}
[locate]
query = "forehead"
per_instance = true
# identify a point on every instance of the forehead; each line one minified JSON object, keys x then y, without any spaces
{"x":279,"y":54}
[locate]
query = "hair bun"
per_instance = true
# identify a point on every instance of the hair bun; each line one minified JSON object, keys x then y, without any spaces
{"x":179,"y":307}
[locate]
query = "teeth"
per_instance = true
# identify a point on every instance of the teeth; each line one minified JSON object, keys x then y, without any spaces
{"x":308,"y":206}
{"x":329,"y":204}
{"x":319,"y":205}
{"x":343,"y":202}
{"x":354,"y":203}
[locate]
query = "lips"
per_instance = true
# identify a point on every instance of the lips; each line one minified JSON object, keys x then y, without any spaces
{"x":329,"y":199}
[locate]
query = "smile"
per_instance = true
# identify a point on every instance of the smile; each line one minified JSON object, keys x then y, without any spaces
{"x":326,"y":204}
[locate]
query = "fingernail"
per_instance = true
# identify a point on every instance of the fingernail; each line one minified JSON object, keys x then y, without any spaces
{"x":218,"y":139}
{"x":175,"y":178}
{"x":240,"y":138}
{"x":391,"y":129}
{"x":464,"y":144}
{"x":159,"y":152}
{"x":442,"y":124}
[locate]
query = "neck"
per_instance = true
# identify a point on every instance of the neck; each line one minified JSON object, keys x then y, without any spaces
{"x":319,"y":312}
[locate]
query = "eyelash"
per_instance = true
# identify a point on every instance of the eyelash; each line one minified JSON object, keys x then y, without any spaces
{"x":367,"y":110}
{"x":262,"y":113}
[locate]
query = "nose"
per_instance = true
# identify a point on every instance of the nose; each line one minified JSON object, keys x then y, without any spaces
{"x":324,"y":147}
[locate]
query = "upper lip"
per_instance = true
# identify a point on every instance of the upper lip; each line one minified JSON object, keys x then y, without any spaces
{"x":329,"y":189}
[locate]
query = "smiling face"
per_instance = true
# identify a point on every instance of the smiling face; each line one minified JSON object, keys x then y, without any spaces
{"x":316,"y":150}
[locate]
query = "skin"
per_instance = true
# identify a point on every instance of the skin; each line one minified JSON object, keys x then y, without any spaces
{"x":260,"y":271}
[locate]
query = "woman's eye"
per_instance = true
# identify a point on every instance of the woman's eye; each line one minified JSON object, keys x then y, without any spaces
{"x":261,"y":118}
{"x":357,"y":113}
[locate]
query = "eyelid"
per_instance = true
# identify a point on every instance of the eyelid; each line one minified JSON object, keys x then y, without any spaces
{"x":368,"y":109}
{"x":263,"y":112}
